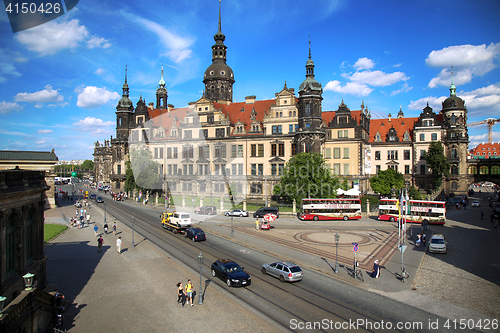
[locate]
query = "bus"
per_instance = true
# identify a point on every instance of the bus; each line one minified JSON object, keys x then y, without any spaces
{"x":330,"y":209}
{"x":432,"y":211}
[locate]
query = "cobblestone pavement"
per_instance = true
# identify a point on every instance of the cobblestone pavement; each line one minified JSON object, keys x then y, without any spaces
{"x":469,"y":273}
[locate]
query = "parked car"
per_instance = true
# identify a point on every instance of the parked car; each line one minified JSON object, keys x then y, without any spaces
{"x":476,"y":203}
{"x":99,"y":200}
{"x":181,"y":219}
{"x":206,"y":210}
{"x":93,"y":196}
{"x":437,"y":244}
{"x":229,"y":271}
{"x":266,"y":210}
{"x":285,"y":271}
{"x":236,"y":212}
{"x":196,"y":234}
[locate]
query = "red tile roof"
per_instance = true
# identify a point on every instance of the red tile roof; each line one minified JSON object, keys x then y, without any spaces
{"x":482,"y":150}
{"x":329,"y":115}
{"x":242,"y":111}
{"x":382,"y":126}
{"x":166,"y":119}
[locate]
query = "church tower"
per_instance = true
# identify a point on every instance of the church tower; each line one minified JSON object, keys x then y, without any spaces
{"x":161,"y":94}
{"x":219,"y":78}
{"x":310,"y":136}
{"x":124,"y":113}
{"x":455,"y":140}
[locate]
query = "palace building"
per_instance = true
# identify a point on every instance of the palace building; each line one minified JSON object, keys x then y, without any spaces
{"x":213,"y":142}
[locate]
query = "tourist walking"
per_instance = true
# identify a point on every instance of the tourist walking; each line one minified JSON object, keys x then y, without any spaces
{"x":189,"y":292}
{"x":376,"y":270}
{"x":423,"y":240}
{"x":96,"y":229}
{"x":114,"y":229}
{"x":106,"y":228}
{"x":419,"y":239}
{"x":100,"y":242}
{"x":181,"y":296}
{"x":119,"y":245}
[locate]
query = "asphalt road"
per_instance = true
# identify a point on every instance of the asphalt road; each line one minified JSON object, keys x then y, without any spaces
{"x":318,"y":299}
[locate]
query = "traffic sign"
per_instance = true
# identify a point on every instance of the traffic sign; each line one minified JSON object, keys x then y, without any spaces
{"x":402,"y":248}
{"x":355,"y":248}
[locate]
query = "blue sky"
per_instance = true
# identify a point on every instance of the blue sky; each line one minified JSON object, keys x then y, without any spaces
{"x":60,"y":81}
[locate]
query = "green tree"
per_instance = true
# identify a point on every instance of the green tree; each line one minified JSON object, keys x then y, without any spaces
{"x":88,"y":165}
{"x":306,"y":176}
{"x":385,"y":180}
{"x":145,"y":170}
{"x":129,"y":178}
{"x":435,"y":159}
{"x":414,"y":193}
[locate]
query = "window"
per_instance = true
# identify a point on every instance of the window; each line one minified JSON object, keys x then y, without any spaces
{"x":328,"y":153}
{"x":187,"y":152}
{"x":188,"y":134}
{"x":407,"y":169}
{"x":233,"y":150}
{"x":336,"y":169}
{"x":294,"y":149}
{"x":273,"y":149}
{"x":220,"y":151}
{"x":454,"y":170}
{"x":256,"y":188}
{"x":240,"y":169}
{"x":406,"y":154}
{"x":377,"y":169}
{"x":434,"y":136}
{"x":261,"y":169}
{"x":290,"y":127}
{"x":392,"y":154}
{"x":346,"y":152}
{"x":119,"y":169}
{"x":261,"y":150}
{"x":30,"y":240}
{"x":422,"y":154}
{"x":495,"y":170}
{"x":308,"y":110}
{"x":210,"y":119}
{"x":336,"y":153}
{"x":377,"y":155}
{"x":308,"y":147}
{"x":204,"y":133}
{"x":253,"y":168}
{"x":422,"y":169}
{"x":217,"y":169}
{"x":277,"y":129}
{"x":281,"y":149}
{"x":220,"y":132}
{"x":454,"y":153}
{"x":422,"y":137}
{"x":253,"y":150}
{"x":343,"y":134}
{"x":277,"y":169}
{"x":234,"y":169}
{"x":10,"y":244}
{"x":158,"y":152}
{"x":473,"y":170}
{"x":240,"y":150}
{"x":346,"y":169}
{"x":483,"y":170}
{"x":176,"y":155}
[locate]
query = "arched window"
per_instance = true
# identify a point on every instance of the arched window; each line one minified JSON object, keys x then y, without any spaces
{"x":453,"y":120}
{"x":10,"y":244}
{"x":483,"y":170}
{"x":290,"y":113}
{"x":30,"y":235}
{"x":454,"y":186}
{"x":294,"y":113}
{"x":454,"y":153}
{"x":454,"y":170}
{"x":495,"y":170}
{"x":308,"y":110}
{"x":473,"y":170}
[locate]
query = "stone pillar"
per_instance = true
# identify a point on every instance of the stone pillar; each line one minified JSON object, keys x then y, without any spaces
{"x":201,"y":202}
{"x":294,"y":207}
{"x":221,"y":204}
{"x":156,"y":198}
{"x":183,"y":201}
{"x":367,"y":207}
{"x":245,"y":204}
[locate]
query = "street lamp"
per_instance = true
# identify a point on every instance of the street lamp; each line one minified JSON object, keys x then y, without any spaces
{"x":337,"y":238}
{"x":200,"y":263}
{"x":104,"y":212}
{"x":28,"y":280}
{"x":2,"y":300}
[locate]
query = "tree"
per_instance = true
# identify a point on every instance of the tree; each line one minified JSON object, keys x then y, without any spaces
{"x":435,"y":159}
{"x":306,"y":176}
{"x":145,"y":170}
{"x":88,"y":165}
{"x":414,"y":193}
{"x":385,"y":180}
{"x":129,"y":178}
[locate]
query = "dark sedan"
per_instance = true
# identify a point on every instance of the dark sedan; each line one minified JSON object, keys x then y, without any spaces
{"x":196,"y":234}
{"x":99,"y":200}
{"x":229,"y":271}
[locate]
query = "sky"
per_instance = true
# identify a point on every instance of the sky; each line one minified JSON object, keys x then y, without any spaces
{"x":60,"y":81}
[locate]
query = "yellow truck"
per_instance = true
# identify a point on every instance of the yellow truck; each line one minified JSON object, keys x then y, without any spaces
{"x":176,"y":222}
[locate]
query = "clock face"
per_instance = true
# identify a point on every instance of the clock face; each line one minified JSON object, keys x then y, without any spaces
{"x":222,"y":73}
{"x":212,"y":72}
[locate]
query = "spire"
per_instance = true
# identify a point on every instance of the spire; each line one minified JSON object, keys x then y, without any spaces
{"x":220,"y":30}
{"x":125,"y":73}
{"x":453,"y":89}
{"x":162,"y":82}
{"x":125,"y":85}
{"x":309,"y":46}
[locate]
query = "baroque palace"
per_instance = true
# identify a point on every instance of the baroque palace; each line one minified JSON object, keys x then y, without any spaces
{"x":214,"y":141}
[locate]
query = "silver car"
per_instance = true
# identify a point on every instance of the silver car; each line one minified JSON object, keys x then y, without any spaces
{"x":437,"y":244}
{"x":285,"y":271}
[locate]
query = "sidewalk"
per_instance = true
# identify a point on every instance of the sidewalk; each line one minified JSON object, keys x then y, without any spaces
{"x":134,"y":291}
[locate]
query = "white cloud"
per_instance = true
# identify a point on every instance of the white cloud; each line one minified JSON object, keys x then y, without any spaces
{"x":7,"y":107}
{"x":178,"y":55}
{"x":483,"y":101}
{"x":46,"y":131}
{"x":41,"y":142}
{"x":98,"y":42}
{"x":52,"y":37}
{"x":404,"y":88}
{"x":99,"y":71}
{"x":434,"y":102}
{"x":364,"y":63}
{"x":352,"y":88}
{"x":467,"y":61}
{"x":94,"y":126}
{"x":378,"y":78}
{"x":43,"y":96}
{"x":92,"y":97}
{"x":7,"y":68}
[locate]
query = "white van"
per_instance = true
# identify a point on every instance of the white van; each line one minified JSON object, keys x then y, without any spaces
{"x":181,"y":219}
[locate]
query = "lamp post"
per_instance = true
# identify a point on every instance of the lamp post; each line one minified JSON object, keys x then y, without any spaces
{"x":104,"y":212}
{"x":28,"y":280}
{"x":2,"y":300}
{"x":200,"y":263}
{"x":337,"y":238}
{"x":133,"y":230}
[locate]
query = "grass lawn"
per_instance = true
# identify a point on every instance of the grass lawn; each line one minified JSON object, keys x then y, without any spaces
{"x":52,"y":230}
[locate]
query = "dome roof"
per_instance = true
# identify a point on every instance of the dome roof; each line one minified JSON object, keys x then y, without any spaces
{"x":219,"y":70}
{"x":311,"y":83}
{"x":125,"y":103}
{"x":453,"y":103}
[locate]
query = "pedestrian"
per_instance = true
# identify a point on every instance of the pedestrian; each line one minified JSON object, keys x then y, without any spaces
{"x":78,"y":224}
{"x":119,"y":245}
{"x":59,"y":297}
{"x":100,"y":241}
{"x":96,"y":229}
{"x":106,"y":227}
{"x":189,"y":292}
{"x":496,"y":225}
{"x":114,"y":229}
{"x":482,"y":215}
{"x":419,"y":239}
{"x":181,"y":296}
{"x":88,"y":219}
{"x":257,"y":224}
{"x":423,"y":240}
{"x":376,"y":270}
{"x":425,"y":224}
